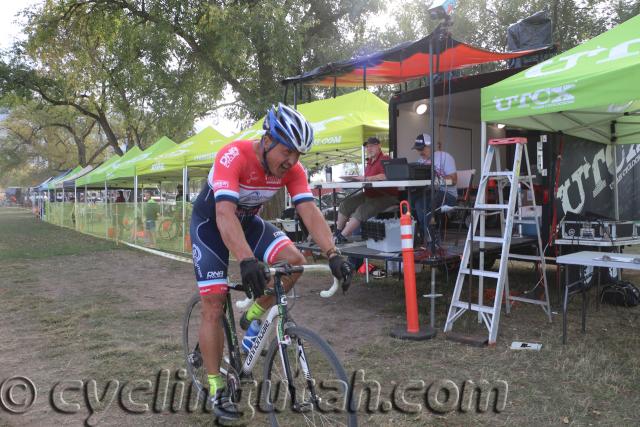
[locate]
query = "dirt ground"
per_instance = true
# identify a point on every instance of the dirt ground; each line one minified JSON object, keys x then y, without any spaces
{"x":75,"y":321}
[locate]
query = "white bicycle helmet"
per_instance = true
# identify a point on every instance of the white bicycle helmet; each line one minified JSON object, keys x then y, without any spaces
{"x":288,"y":127}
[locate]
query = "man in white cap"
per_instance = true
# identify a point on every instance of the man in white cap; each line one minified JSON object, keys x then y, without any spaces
{"x":445,"y":169}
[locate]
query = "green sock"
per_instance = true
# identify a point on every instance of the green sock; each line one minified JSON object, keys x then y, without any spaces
{"x":255,"y":312}
{"x":215,"y":383}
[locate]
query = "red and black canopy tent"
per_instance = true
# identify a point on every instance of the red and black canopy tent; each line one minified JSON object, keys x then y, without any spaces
{"x":404,"y":62}
{"x":436,"y":53}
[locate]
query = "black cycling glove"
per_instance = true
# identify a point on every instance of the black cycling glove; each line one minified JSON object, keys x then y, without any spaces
{"x":255,"y":276}
{"x":342,"y":269}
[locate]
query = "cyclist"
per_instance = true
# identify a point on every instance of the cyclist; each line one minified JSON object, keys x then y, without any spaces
{"x":245,"y":174}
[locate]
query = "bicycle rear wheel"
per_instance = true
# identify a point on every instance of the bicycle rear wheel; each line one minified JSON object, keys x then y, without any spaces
{"x":167,"y":229}
{"x":193,"y":355}
{"x":320,"y":383}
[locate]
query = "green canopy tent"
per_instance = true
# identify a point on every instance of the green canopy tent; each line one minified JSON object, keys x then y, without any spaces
{"x":124,"y":173}
{"x":340,"y":126}
{"x":197,"y":150}
{"x":69,"y":181}
{"x":96,"y":178}
{"x":590,"y":92}
{"x":53,"y":184}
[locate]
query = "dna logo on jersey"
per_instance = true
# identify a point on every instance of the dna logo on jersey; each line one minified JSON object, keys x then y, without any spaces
{"x":229,"y":156}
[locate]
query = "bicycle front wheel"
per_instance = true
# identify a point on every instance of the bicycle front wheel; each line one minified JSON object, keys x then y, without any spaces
{"x":319,"y":395}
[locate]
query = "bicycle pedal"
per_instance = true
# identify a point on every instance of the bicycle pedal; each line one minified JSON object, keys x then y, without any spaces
{"x":195,"y":359}
{"x":303,"y":407}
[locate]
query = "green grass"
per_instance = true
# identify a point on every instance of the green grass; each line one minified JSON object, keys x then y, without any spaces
{"x":22,"y":236}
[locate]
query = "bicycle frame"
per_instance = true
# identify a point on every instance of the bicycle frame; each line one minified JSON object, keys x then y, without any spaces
{"x":279,"y":311}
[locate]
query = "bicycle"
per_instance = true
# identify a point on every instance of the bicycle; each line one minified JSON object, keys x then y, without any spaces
{"x":169,"y":228}
{"x":301,"y":385}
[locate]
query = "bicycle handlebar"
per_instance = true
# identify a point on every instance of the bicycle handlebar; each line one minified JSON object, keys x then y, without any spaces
{"x":298,"y":269}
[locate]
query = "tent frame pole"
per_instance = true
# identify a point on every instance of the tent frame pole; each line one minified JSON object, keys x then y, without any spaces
{"x":295,"y":95}
{"x":161,"y":200}
{"x":106,"y":210}
{"x":616,"y":206}
{"x":185,"y":192}
{"x":75,"y":205}
{"x":62,"y":210}
{"x":135,"y":209}
{"x":364,"y":77}
{"x":432,"y":120}
{"x":84,"y":218}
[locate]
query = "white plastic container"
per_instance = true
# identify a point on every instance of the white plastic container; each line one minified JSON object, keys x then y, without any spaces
{"x":392,"y":241}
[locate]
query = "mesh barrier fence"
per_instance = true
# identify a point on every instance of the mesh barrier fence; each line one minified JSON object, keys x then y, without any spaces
{"x":155,"y":224}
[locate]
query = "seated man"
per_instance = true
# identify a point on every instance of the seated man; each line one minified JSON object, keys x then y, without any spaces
{"x":445,"y":168}
{"x":371,"y":201}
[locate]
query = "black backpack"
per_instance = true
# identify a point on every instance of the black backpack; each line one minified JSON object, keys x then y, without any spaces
{"x":621,"y":293}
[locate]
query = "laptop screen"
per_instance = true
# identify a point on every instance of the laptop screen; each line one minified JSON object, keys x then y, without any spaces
{"x":396,"y":169}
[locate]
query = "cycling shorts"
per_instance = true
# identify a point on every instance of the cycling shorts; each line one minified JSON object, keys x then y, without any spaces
{"x":211,"y":256}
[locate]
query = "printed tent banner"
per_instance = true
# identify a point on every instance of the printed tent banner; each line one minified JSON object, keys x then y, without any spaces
{"x":51,"y":185}
{"x":590,"y":91}
{"x":198,"y":150}
{"x":340,"y":124}
{"x":96,"y":178}
{"x":125,"y":170}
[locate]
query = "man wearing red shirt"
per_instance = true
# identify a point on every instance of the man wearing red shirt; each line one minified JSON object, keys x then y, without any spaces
{"x":371,"y":201}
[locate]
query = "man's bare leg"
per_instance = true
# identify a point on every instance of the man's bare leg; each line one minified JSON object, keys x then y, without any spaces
{"x":350,"y":227}
{"x":211,"y":335}
{"x":211,"y":346}
{"x":342,"y":220}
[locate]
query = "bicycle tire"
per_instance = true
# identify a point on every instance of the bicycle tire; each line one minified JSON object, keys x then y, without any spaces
{"x":190,"y":330}
{"x":324,"y":365}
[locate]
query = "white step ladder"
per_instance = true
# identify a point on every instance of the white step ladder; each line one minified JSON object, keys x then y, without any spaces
{"x":490,"y":315}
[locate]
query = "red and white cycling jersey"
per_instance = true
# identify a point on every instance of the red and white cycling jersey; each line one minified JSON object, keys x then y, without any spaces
{"x":238,"y":176}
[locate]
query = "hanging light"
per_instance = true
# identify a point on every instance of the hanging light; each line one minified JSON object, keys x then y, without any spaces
{"x":421,"y":108}
{"x":500,"y":125}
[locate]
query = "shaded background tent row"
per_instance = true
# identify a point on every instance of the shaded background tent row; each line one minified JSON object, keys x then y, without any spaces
{"x":341,"y":125}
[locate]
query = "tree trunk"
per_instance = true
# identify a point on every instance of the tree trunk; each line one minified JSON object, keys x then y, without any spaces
{"x":82,"y":152}
{"x":554,"y":22}
{"x":111,"y":137}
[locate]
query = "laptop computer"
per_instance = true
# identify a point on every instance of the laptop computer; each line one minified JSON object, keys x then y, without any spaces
{"x":396,"y":169}
{"x":401,"y":170}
